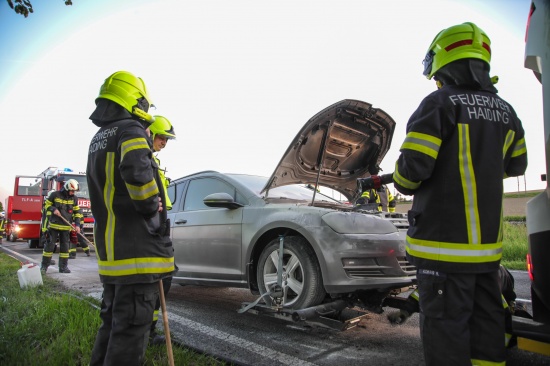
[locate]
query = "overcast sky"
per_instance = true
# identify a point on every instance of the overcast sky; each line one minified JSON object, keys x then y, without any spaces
{"x":238,"y":79}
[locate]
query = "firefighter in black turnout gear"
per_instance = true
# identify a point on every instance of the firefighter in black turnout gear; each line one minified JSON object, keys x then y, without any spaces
{"x":60,"y":205}
{"x":131,"y":232}
{"x":461,"y":142}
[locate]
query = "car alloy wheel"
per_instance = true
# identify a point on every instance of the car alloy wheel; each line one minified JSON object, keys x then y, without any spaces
{"x":302,"y":284}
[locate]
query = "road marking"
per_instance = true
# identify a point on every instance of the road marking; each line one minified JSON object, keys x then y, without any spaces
{"x":240,"y":342}
{"x":523,"y":300}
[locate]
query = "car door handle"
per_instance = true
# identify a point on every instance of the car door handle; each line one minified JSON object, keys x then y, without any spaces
{"x":178,"y":222}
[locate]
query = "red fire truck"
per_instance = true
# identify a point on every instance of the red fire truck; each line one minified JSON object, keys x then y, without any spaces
{"x":24,"y":207}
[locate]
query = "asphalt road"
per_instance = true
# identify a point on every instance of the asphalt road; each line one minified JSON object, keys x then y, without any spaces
{"x":206,"y":319}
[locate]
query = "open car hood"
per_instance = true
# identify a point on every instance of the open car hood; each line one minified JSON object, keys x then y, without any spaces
{"x":343,"y":142}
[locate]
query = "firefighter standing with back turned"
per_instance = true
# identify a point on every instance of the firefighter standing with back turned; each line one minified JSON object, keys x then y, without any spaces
{"x":461,"y":142}
{"x":131,"y":234}
{"x":59,"y":205}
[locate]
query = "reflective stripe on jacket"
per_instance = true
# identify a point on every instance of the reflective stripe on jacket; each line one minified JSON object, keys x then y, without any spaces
{"x":68,"y":208}
{"x":165,"y":183}
{"x":460,"y":145}
{"x":131,"y":236}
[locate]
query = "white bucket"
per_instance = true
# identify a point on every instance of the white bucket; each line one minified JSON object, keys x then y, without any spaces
{"x":29,"y":275}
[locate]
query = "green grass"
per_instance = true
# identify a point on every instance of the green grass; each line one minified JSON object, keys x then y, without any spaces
{"x":521,"y":194}
{"x":514,"y":246}
{"x":50,"y":325}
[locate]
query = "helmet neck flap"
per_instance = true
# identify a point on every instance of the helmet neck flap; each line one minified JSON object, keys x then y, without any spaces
{"x":471,"y":73}
{"x":107,"y":111}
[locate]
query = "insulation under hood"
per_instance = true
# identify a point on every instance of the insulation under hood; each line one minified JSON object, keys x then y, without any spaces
{"x":343,"y":142}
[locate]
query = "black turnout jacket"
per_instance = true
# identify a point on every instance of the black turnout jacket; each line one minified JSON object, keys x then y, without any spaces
{"x":131,"y":236}
{"x":461,"y":142}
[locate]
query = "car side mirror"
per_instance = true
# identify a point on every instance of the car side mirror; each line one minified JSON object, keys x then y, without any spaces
{"x":221,"y":200}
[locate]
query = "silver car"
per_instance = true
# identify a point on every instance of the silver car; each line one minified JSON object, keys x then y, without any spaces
{"x":230,"y":229}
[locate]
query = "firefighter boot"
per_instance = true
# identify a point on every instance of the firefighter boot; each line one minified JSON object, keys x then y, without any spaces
{"x":72,"y":253}
{"x":46,"y":261}
{"x":87,"y":252}
{"x":63,"y":265}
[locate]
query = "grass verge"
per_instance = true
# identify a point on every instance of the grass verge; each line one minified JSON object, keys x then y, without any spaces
{"x":514,"y":246}
{"x":50,"y":325}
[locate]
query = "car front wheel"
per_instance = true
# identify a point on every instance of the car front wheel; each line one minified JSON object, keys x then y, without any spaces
{"x":302,"y":283}
{"x":12,"y":237}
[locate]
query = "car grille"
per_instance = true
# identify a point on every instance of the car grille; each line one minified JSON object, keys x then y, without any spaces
{"x":373,"y":267}
{"x":407,"y":267}
{"x":400,"y":220}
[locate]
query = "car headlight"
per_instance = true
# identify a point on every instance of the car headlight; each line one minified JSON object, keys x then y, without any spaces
{"x":358,"y":223}
{"x":16,"y":229}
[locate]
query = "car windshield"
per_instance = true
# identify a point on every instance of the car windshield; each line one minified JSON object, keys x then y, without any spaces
{"x":292,"y":192}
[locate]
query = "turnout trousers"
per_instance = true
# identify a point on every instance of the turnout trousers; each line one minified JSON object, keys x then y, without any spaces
{"x":126,"y":312}
{"x":64,"y":243}
{"x":49,"y":247}
{"x":461,"y":318}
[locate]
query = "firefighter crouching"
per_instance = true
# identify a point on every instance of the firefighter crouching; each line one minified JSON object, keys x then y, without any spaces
{"x":380,"y":197}
{"x":61,"y":204}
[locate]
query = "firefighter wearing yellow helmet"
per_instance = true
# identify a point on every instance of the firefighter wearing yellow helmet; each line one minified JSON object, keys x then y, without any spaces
{"x":131,"y":232}
{"x":161,"y":131}
{"x":461,"y":142}
{"x":60,"y":209}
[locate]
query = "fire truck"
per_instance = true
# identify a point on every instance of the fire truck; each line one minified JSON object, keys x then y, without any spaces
{"x":24,"y":207}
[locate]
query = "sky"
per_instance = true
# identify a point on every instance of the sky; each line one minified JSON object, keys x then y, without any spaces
{"x":238,"y":78}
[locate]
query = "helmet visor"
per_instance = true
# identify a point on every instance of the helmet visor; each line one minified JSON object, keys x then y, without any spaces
{"x":427,"y":62}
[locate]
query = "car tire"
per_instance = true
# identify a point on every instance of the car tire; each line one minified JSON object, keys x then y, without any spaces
{"x":33,"y":243}
{"x":302,"y":284}
{"x":12,"y":237}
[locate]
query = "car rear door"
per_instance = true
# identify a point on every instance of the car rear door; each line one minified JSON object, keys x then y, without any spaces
{"x":208,"y":241}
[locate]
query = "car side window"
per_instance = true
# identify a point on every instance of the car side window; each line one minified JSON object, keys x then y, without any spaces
{"x":171,"y":192}
{"x":200,"y":188}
